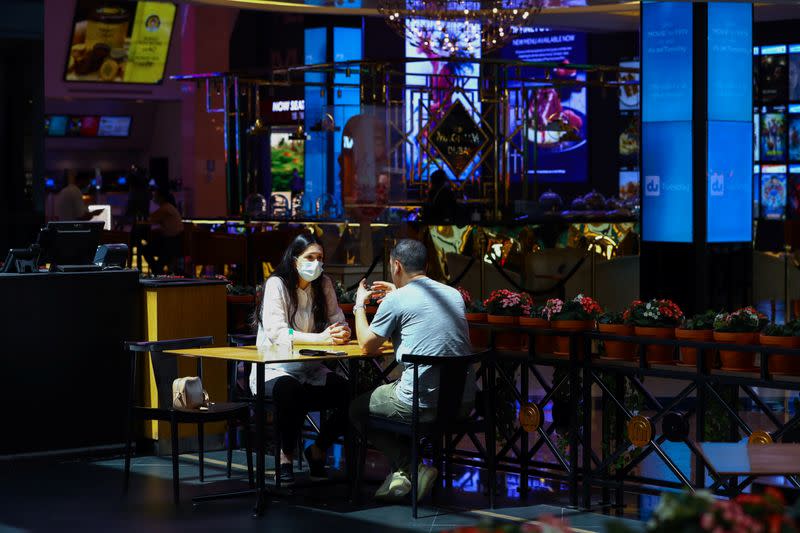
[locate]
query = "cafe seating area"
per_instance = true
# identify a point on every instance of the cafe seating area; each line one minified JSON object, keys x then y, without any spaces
{"x":518,"y":266}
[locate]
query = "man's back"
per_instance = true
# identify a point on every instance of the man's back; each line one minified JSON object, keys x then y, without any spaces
{"x":69,"y":204}
{"x":424,"y":318}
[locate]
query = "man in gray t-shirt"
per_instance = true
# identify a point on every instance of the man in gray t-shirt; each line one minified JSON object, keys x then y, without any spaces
{"x":421,"y":317}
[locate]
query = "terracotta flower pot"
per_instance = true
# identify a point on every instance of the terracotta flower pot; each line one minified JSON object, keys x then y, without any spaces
{"x":730,"y":359}
{"x":562,"y":343}
{"x":544,"y":343}
{"x":371,"y":309}
{"x":689,"y":355}
{"x":782,"y":364}
{"x":625,"y":351}
{"x":347,"y":309}
{"x":661,"y":354}
{"x":506,"y":340}
{"x":478,"y":337}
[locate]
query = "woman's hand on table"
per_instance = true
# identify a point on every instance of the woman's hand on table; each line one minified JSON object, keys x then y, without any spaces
{"x":337,"y":333}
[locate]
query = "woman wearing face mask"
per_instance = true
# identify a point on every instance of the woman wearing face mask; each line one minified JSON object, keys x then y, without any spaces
{"x":299,"y":297}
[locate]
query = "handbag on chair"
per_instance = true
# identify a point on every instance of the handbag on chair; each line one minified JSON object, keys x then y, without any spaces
{"x":188,"y":393}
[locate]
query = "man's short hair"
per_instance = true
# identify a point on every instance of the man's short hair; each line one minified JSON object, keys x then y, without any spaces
{"x":412,"y":255}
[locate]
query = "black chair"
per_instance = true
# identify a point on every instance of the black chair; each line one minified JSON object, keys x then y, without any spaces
{"x":453,"y":371}
{"x":165,"y":368}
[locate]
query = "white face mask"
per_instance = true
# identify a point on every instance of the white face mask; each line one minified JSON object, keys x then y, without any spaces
{"x":309,"y":270}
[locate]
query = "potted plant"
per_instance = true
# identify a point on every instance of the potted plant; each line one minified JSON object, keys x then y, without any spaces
{"x":614,"y":323}
{"x":240,"y":294}
{"x":475,"y":314}
{"x":740,"y":327}
{"x":782,"y":336}
{"x":504,"y":307}
{"x":345,"y":298}
{"x":537,"y":320}
{"x":656,"y":318}
{"x":573,"y":315}
{"x":699,"y":328}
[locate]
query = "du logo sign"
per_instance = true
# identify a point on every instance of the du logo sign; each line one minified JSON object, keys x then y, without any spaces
{"x":716,"y":184}
{"x":652,"y":185}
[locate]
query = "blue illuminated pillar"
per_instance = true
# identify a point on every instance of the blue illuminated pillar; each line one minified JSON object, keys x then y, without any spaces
{"x":697,"y":152}
{"x":340,"y":99}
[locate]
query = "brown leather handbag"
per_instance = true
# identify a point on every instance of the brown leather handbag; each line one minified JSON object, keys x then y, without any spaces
{"x":188,"y":393}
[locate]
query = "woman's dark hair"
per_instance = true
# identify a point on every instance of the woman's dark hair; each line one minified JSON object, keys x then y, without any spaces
{"x":286,"y":271}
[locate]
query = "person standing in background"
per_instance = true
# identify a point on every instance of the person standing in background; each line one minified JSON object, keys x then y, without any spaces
{"x":165,"y":242}
{"x":69,"y":204}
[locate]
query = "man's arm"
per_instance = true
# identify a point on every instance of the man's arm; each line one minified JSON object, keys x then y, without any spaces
{"x":367,"y":340}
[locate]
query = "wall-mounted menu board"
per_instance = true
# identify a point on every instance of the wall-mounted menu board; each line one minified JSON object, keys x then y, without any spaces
{"x":87,"y":126}
{"x":119,"y":41}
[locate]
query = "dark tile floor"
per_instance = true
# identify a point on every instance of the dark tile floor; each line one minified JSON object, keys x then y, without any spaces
{"x":86,"y":495}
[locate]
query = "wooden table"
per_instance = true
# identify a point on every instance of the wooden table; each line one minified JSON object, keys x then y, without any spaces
{"x":260,"y":357}
{"x":733,"y":459}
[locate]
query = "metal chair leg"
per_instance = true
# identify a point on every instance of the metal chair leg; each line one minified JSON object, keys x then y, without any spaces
{"x":231,"y":444}
{"x":360,"y":457}
{"x":173,"y":427}
{"x":414,"y":474}
{"x":128,"y":451}
{"x":249,"y":451}
{"x":200,"y":450}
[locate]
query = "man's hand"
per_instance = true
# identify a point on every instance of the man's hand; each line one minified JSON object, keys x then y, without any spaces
{"x":363,"y":293}
{"x":382,"y":287}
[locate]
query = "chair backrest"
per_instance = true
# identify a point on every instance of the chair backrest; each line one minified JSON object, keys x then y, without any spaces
{"x":165,"y":367}
{"x":453,"y":372}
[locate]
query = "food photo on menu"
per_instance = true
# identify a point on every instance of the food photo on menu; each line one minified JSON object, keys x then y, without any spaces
{"x":119,"y":42}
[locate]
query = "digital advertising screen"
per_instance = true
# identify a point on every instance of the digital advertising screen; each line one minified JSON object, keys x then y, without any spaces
{"x":730,"y":45}
{"x":666,"y":61}
{"x":756,"y":136}
{"x":89,"y":126}
{"x":756,"y":191}
{"x":629,"y":94}
{"x":629,"y":142}
{"x":557,"y":134}
{"x":438,"y":77}
{"x":794,"y":72}
{"x":119,"y":41}
{"x":773,"y":134}
{"x":793,"y":204}
{"x":56,"y":125}
{"x":114,"y":126}
{"x":773,"y":73}
{"x":667,"y":181}
{"x":729,"y":179}
{"x":794,"y":132}
{"x":773,"y":192}
{"x":287,"y":158}
{"x":756,"y":64}
{"x":628,"y":184}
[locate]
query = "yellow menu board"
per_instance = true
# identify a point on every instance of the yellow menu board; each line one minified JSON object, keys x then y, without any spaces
{"x":116,"y":41}
{"x":152,"y":28}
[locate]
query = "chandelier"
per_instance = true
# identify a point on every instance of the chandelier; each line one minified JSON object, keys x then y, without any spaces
{"x":460,"y":28}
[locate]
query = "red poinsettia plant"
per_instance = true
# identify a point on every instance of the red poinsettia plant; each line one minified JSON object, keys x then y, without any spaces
{"x":655,"y":313}
{"x":579,"y":308}
{"x":508,"y":303}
